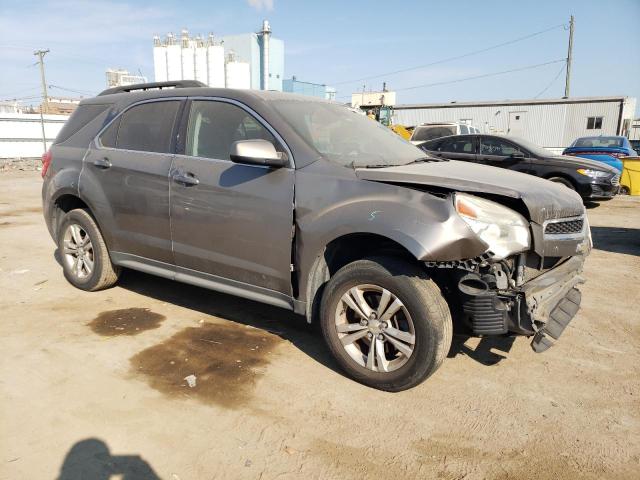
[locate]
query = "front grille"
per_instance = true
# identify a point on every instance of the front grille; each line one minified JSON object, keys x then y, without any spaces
{"x":560,"y":228}
{"x":615,"y":181}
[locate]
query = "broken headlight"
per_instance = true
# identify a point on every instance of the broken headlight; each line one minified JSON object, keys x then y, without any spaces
{"x":504,"y":230}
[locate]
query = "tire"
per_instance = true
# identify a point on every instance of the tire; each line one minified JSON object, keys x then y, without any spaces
{"x":624,"y":190}
{"x":95,"y":270}
{"x":563,"y":181}
{"x":423,"y":317}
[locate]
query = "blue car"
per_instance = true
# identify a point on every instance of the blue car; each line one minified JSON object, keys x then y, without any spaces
{"x":608,"y":150}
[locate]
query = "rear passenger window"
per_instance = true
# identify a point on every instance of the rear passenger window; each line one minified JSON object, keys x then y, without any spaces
{"x":215,"y":126}
{"x":145,"y":128}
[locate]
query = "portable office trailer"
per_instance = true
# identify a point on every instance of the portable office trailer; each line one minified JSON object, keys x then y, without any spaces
{"x":551,"y":123}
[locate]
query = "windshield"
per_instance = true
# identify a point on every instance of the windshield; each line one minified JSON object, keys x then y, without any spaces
{"x":344,"y":136}
{"x":537,"y":150}
{"x":598,"y":142}
{"x":429,"y":133}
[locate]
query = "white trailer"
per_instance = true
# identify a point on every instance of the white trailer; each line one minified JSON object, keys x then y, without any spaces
{"x":551,"y":123}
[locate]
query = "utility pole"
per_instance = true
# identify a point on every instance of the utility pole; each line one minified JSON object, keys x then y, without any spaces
{"x":45,"y":98}
{"x":567,"y":83}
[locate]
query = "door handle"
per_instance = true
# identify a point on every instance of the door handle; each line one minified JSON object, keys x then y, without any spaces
{"x":103,"y":163}
{"x":185,"y":179}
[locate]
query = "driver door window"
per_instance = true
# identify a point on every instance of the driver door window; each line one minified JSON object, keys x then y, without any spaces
{"x":497,"y":147}
{"x":214,"y":126}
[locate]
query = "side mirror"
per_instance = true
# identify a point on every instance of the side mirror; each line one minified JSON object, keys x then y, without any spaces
{"x":257,"y":152}
{"x":517,"y":155}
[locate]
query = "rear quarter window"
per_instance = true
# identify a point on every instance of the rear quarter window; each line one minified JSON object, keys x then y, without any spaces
{"x":82,"y":116}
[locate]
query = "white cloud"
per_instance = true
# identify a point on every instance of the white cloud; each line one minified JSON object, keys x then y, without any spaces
{"x":261,"y":4}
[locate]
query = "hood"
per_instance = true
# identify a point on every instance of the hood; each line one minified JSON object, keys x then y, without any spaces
{"x":581,"y":162}
{"x":544,"y":200}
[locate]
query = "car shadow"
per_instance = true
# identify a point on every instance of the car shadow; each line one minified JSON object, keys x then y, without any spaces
{"x":91,"y":458}
{"x":590,"y":204}
{"x":483,"y":353}
{"x":617,"y":240}
{"x":278,"y":321}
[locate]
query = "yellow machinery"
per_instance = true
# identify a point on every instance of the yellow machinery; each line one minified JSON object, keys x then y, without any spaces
{"x":630,"y":179}
{"x":401,"y":130}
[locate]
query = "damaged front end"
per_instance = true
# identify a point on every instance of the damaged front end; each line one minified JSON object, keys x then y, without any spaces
{"x":532,"y":292}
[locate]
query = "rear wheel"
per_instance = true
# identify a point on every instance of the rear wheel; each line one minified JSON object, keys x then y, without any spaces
{"x":563,"y":181}
{"x":624,"y":190}
{"x":85,"y":259}
{"x":386,"y":323}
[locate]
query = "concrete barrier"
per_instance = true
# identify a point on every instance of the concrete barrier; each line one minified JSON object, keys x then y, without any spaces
{"x":21,"y":134}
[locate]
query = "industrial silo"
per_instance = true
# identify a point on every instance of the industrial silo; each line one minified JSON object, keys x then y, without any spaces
{"x":188,"y":54}
{"x":215,"y":59}
{"x":174,"y":59}
{"x":201,"y":61}
{"x":159,"y":60}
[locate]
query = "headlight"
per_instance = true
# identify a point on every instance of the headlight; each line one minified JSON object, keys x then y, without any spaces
{"x":505,"y":231}
{"x":587,"y":172}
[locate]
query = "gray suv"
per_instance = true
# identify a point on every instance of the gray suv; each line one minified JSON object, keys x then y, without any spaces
{"x":304,"y":204}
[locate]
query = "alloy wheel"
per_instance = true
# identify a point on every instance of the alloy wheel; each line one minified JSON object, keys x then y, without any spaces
{"x":375,"y":328}
{"x":78,"y":251}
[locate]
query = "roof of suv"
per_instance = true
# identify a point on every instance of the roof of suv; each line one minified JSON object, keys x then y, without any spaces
{"x":189,"y":88}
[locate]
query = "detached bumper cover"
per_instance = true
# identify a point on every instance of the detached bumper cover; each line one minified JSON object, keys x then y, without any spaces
{"x":553,"y":300}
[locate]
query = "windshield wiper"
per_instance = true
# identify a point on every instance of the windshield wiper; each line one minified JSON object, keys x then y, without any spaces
{"x":429,"y":159}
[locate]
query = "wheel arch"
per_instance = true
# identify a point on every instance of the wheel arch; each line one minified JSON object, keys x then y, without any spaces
{"x":63,"y":203}
{"x":341,"y":251}
{"x":562,"y":175}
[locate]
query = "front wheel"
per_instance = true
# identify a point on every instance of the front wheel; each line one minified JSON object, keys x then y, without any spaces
{"x":386,"y":323}
{"x":84,"y":255}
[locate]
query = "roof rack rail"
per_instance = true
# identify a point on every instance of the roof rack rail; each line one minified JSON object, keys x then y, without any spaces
{"x":152,"y":86}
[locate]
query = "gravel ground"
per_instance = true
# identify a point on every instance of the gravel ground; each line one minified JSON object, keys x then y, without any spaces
{"x":97,"y":384}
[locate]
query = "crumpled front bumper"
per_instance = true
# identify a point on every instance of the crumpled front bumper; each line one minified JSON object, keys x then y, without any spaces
{"x":552,"y":300}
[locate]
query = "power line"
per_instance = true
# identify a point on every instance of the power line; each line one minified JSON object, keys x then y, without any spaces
{"x":81,"y":92}
{"x":552,"y":81}
{"x":485,"y":75}
{"x":19,"y":99}
{"x":457,"y":57}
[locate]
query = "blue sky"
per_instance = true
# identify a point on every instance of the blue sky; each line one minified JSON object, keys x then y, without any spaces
{"x":338,"y":41}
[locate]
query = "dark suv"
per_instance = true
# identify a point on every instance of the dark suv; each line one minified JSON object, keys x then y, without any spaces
{"x":593,"y":180}
{"x":304,"y":204}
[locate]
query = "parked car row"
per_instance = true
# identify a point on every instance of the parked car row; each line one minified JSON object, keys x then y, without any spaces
{"x":591,"y":179}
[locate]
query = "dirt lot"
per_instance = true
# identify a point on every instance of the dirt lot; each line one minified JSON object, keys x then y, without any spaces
{"x":93,"y":384}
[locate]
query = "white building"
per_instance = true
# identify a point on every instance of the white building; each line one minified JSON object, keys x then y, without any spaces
{"x":249,"y":60}
{"x":10,"y":107}
{"x":117,"y":77}
{"x":189,"y":59}
{"x":552,"y":123}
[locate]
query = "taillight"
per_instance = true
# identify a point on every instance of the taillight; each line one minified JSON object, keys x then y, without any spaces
{"x":46,"y":161}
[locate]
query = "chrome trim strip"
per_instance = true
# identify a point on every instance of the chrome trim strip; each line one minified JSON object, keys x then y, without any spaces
{"x":565,"y":236}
